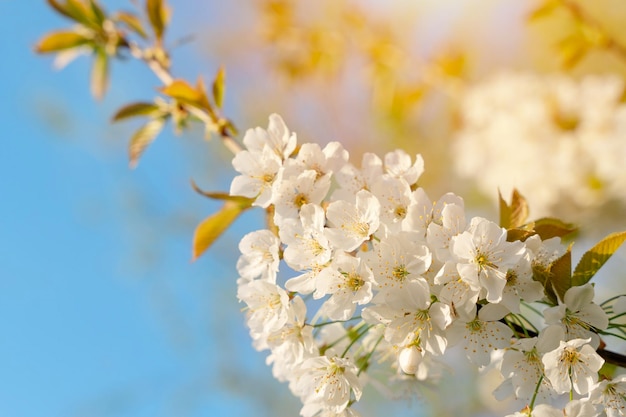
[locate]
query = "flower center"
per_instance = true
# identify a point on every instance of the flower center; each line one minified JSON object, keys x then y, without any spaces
{"x":300,"y":200}
{"x":483,"y":261}
{"x":511,"y":277}
{"x":354,"y":281}
{"x":400,"y":273}
{"x":361,"y":229}
{"x":569,"y":356}
{"x":400,"y":211}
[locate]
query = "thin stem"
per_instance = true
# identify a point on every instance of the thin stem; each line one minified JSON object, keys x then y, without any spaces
{"x":614,"y":335}
{"x":605,"y":302}
{"x":532,"y":402}
{"x":369,"y":355}
{"x":353,"y":341}
{"x":533,"y":309}
{"x":334,"y":321}
{"x":165,"y":76}
{"x":609,"y":41}
{"x":519,"y":323}
{"x":157,"y":68}
{"x":617,"y":316}
{"x":356,"y":329}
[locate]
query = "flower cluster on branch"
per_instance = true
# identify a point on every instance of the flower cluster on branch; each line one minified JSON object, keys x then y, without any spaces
{"x":380,"y":276}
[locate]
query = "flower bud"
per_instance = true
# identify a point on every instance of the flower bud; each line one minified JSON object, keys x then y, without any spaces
{"x":409,"y":359}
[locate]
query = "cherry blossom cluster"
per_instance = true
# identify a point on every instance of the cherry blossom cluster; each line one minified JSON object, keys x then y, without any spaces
{"x":513,"y":121}
{"x":362,"y":278}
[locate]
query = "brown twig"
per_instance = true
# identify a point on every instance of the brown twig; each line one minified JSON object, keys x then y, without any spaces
{"x":164,"y":75}
{"x":609,"y":41}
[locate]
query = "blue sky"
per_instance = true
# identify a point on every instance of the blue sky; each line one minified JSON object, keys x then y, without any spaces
{"x":103,"y":314}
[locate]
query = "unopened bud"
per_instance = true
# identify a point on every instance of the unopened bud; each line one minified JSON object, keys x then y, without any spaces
{"x":409,"y":359}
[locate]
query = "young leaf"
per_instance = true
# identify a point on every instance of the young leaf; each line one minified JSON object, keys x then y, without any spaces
{"x":561,"y":274}
{"x":83,"y":13}
{"x":58,"y":41}
{"x":213,"y":226}
{"x":595,"y":257}
{"x":135,"y":110}
{"x":505,"y":212}
{"x":519,"y":233}
{"x":572,"y":49}
{"x":97,"y":12}
{"x":99,"y":74}
{"x":132,"y":22}
{"x":157,"y":16}
{"x":222,"y":196}
{"x":61,"y":9}
{"x":183,"y":92}
{"x":549,"y":227}
{"x":514,"y":215}
{"x":519,"y":209}
{"x":219,"y":85}
{"x":542,"y":11}
{"x":142,"y":138}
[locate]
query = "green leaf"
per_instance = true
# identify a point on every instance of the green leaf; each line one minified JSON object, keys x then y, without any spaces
{"x":155,"y":9}
{"x":213,"y":226}
{"x":143,"y":137}
{"x":99,"y":74}
{"x":135,"y":110}
{"x":58,"y":41}
{"x":597,"y":256}
{"x":132,"y":22}
{"x":219,"y":86}
{"x":97,"y":12}
{"x":549,"y":227}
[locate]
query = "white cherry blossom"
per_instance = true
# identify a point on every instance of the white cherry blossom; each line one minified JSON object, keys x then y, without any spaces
{"x":484,"y":256}
{"x":304,"y":236}
{"x":328,"y":382}
{"x":268,"y":307}
{"x":394,"y":195}
{"x":291,"y":193}
{"x":259,"y":256}
{"x":398,"y":165}
{"x":349,"y":283}
{"x":258,"y":169}
{"x":578,"y":315}
{"x":611,"y":396}
{"x":291,"y":344}
{"x":323,"y":161}
{"x":522,"y":367}
{"x":573,"y":365}
{"x":277,"y":138}
{"x":480,"y":334}
{"x":351,"y":224}
{"x":397,"y":260}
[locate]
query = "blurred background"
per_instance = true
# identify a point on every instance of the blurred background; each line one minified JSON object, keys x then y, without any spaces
{"x":103,"y":312}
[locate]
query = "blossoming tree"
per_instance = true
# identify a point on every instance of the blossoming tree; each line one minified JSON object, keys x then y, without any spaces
{"x":359,"y":276}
